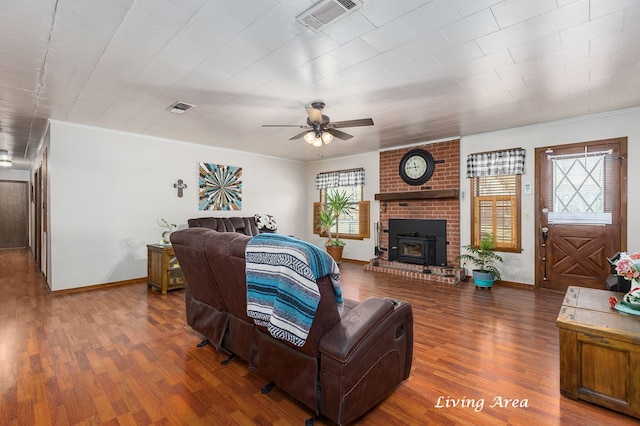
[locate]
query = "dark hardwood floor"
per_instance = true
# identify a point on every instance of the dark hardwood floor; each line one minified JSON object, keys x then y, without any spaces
{"x":124,"y":355}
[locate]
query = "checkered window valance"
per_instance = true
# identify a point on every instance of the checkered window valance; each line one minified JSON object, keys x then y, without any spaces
{"x":496,"y":163}
{"x":351,"y":177}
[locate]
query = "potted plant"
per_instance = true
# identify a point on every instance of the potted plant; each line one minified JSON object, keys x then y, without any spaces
{"x":483,"y":256}
{"x":338,"y":203}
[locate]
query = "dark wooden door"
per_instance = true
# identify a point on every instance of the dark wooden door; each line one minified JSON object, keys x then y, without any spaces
{"x":37,"y":233}
{"x":581,"y":212}
{"x":14,"y":209}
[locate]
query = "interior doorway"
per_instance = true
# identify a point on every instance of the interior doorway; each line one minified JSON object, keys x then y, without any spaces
{"x":37,"y":218}
{"x":14,"y":213}
{"x":581,"y":193}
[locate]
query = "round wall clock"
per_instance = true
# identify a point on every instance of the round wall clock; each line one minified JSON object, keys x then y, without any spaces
{"x":417,"y":166}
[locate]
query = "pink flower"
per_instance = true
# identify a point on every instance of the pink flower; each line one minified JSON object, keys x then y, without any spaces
{"x":622,"y":266}
{"x":613,"y":301}
{"x":628,"y":266}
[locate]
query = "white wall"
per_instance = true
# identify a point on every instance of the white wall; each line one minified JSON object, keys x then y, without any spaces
{"x":517,"y":267}
{"x":108,"y":189}
{"x":354,"y":249}
{"x":520,"y":267}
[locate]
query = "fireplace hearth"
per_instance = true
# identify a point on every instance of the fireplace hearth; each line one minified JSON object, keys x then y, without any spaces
{"x":418,"y":241}
{"x":435,"y":274}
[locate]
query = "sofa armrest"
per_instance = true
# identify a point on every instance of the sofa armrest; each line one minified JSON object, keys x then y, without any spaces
{"x":354,"y":327}
{"x":365,"y":357}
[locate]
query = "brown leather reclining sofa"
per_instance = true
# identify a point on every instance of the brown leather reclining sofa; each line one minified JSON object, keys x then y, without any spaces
{"x":248,"y":225}
{"x":349,"y":362}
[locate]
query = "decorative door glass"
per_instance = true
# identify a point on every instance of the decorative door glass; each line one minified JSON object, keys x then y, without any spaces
{"x":579,"y":189}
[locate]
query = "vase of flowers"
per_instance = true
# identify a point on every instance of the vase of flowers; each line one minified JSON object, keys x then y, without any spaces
{"x":628,"y":267}
{"x":166,"y":235}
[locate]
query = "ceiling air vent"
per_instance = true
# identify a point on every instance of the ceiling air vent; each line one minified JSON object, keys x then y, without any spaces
{"x":322,"y":14}
{"x":180,"y":107}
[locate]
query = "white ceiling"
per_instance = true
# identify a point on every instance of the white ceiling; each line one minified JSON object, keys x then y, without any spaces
{"x":423,"y":70}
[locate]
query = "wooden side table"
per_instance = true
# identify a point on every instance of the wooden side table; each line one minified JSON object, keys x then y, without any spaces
{"x":163,"y":270}
{"x":599,"y":351}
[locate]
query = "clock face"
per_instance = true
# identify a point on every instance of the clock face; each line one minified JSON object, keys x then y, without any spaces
{"x":416,"y":167}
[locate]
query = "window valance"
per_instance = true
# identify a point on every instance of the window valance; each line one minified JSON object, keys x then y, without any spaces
{"x":350,"y":177}
{"x":496,"y":163}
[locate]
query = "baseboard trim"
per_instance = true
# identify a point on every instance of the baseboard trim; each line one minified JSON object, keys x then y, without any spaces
{"x":99,"y":286}
{"x":515,"y":284}
{"x":357,"y":262}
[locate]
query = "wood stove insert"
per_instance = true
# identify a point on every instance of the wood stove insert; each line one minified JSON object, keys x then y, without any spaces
{"x":418,"y":241}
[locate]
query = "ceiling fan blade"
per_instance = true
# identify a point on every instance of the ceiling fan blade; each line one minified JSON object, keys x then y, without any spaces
{"x":353,"y":123}
{"x":315,"y":115}
{"x":339,"y":134}
{"x":299,"y":135}
{"x":284,"y":125}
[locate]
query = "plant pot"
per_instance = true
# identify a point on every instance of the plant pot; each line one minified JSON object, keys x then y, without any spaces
{"x":483,"y":279}
{"x":335,"y":252}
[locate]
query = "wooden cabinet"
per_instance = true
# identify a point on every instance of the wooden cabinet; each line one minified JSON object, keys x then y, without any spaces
{"x":163,"y":270}
{"x":599,"y":351}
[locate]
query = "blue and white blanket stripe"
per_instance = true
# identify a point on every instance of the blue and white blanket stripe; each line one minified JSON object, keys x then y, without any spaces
{"x":282,"y":290}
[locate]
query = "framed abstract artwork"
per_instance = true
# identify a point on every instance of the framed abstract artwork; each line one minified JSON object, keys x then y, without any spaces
{"x":220,"y":187}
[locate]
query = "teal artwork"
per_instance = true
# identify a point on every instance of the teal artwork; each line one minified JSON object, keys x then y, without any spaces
{"x":220,"y":187}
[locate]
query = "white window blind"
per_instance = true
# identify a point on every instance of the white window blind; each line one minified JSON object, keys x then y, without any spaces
{"x":581,"y":191}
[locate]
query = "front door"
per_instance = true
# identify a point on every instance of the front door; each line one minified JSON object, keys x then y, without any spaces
{"x":581,"y":189}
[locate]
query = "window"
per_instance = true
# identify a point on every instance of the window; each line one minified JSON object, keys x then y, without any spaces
{"x":356,"y":224}
{"x":495,"y":196}
{"x":496,"y":210}
{"x":579,"y":188}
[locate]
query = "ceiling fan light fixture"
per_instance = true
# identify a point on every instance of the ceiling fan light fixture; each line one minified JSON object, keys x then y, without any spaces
{"x":5,"y":161}
{"x":309,"y":137}
{"x":327,"y":137}
{"x":319,"y":129}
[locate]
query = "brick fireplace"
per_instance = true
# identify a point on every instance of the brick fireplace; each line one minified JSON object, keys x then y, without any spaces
{"x":437,"y":199}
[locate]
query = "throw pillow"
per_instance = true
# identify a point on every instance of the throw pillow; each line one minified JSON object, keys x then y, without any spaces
{"x":266,"y":221}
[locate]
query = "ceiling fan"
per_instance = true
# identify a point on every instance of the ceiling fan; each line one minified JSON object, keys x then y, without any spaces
{"x":319,"y":128}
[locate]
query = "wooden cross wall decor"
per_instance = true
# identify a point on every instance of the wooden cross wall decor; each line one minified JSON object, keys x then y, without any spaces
{"x":180,"y":185}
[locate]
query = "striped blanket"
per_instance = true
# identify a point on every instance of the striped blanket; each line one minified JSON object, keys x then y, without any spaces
{"x":282,"y":293}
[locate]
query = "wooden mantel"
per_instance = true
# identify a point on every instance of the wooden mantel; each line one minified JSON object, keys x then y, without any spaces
{"x":428,"y":194}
